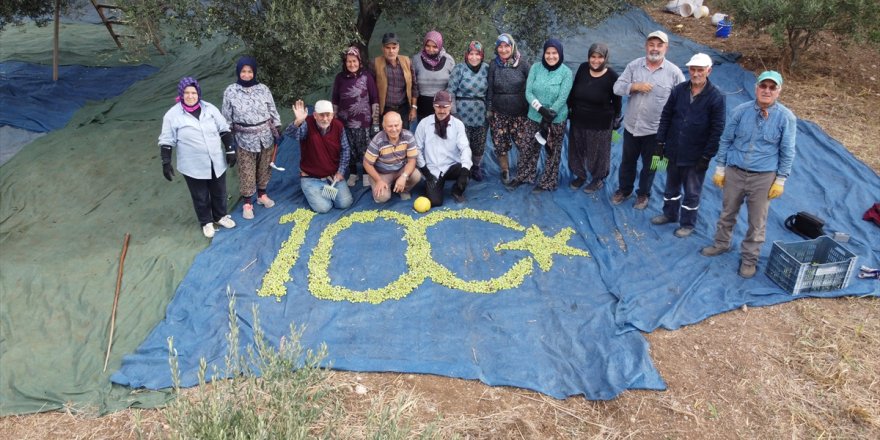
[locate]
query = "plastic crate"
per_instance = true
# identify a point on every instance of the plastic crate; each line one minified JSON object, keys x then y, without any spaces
{"x":816,"y":265}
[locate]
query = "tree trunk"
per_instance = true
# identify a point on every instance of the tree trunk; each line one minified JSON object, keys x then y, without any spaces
{"x":368,"y":15}
{"x":55,"y":55}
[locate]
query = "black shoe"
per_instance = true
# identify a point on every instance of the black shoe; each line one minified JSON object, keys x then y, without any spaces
{"x":477,"y":173}
{"x":577,"y":183}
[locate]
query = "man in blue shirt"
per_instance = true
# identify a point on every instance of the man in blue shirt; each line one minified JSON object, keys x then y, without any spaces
{"x":754,"y":158}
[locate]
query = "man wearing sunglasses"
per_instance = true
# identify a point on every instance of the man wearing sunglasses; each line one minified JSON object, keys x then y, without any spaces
{"x":754,"y":158}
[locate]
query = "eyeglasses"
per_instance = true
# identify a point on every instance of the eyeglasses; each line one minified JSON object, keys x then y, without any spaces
{"x":771,"y":87}
{"x":442,"y":105}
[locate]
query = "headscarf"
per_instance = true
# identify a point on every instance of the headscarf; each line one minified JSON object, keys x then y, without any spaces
{"x":355,"y":52}
{"x":246,"y":61}
{"x":185,"y":82}
{"x":558,"y":46}
{"x":478,"y":47}
{"x":515,"y":56}
{"x":601,"y":49}
{"x":433,"y":62}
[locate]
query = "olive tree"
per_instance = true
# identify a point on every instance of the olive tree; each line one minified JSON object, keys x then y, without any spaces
{"x":299,"y":42}
{"x":795,"y":24}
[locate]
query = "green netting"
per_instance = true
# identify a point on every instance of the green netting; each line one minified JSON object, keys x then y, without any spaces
{"x":66,"y":202}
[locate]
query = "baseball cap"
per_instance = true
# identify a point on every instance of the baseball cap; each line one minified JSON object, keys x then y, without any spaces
{"x":323,"y":106}
{"x":772,"y":75}
{"x":659,"y":35}
{"x":700,"y":60}
{"x":442,"y":98}
{"x":390,"y":38}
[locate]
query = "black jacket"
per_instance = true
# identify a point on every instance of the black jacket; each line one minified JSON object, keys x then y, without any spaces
{"x":692,"y":129}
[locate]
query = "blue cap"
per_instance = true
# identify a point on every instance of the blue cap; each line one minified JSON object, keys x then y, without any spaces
{"x":772,"y":75}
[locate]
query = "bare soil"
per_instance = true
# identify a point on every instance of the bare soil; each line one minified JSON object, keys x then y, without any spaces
{"x":805,"y":369}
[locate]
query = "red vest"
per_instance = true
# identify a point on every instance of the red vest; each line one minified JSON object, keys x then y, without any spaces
{"x":320,"y":152}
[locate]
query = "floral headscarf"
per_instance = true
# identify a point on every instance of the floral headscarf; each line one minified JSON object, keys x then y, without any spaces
{"x":185,"y":82}
{"x":355,"y":52}
{"x":515,"y":56}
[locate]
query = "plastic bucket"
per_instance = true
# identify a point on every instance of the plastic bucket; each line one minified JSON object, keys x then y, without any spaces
{"x":723,"y":30}
{"x":717,"y":17}
{"x":701,"y":12}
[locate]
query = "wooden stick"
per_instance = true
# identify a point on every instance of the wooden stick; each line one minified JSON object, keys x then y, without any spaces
{"x":116,"y":300}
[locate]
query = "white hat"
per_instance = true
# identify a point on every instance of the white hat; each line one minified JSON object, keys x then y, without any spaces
{"x":323,"y":106}
{"x":700,"y":60}
{"x":660,"y":35}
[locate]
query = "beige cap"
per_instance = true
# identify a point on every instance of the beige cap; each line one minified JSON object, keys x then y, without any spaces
{"x":323,"y":106}
{"x":659,"y":35}
{"x":700,"y":60}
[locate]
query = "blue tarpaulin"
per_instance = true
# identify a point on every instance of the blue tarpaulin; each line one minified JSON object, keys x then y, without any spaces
{"x":568,"y":324}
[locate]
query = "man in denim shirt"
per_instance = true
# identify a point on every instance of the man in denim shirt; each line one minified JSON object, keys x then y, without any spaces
{"x":754,"y":158}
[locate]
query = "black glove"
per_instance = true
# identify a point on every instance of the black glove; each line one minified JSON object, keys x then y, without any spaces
{"x":461,"y":183}
{"x":661,"y":147}
{"x":702,"y":164}
{"x":430,"y":179}
{"x":231,"y":157}
{"x":618,"y":121}
{"x":167,"y":170}
{"x":547,"y":113}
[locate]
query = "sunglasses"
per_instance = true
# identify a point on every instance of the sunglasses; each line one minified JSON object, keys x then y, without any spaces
{"x":771,"y":87}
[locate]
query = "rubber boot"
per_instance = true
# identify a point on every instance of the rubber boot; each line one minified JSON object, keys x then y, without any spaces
{"x":476,"y":171}
{"x":504,"y":163}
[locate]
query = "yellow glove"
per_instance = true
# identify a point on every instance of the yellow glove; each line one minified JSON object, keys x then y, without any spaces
{"x":718,"y":177}
{"x":776,"y":190}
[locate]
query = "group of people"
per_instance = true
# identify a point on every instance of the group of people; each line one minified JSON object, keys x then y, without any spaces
{"x":523,"y":105}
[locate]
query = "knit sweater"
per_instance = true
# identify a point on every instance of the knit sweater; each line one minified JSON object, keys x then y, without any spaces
{"x":431,"y":82}
{"x":507,"y":88}
{"x":551,"y":89}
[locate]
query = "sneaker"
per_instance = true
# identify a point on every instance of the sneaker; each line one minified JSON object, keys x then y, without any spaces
{"x":618,"y":197}
{"x":505,"y":176}
{"x":747,"y":270}
{"x":458,"y":197}
{"x":682,"y":232}
{"x":713,"y":251}
{"x":641,"y":202}
{"x":226,"y":222}
{"x":352,"y":179}
{"x":265,"y":201}
{"x":247,"y":211}
{"x":661,"y":219}
{"x":594,"y":186}
{"x":208,"y":230}
{"x":577,"y":183}
{"x":405,"y":195}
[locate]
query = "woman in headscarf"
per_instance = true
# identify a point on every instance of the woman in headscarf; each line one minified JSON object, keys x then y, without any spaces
{"x":506,"y":101}
{"x":201,"y":136}
{"x":546,"y":92}
{"x":355,"y":101}
{"x":249,"y":108}
{"x":595,"y":112}
{"x":433,"y":67}
{"x":468,"y":85}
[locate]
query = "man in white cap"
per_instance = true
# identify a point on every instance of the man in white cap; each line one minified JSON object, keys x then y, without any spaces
{"x":324,"y":155}
{"x":690,"y":129}
{"x":647,"y":81}
{"x":754,"y":159}
{"x":444,"y":151}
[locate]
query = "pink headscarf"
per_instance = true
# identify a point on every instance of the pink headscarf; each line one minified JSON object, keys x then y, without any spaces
{"x":433,"y":60}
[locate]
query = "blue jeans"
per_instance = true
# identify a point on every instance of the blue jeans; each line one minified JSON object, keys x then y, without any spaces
{"x":311,"y":188}
{"x":678,"y":177}
{"x":633,"y":148}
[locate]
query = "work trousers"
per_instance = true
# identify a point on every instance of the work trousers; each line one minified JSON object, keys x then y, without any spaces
{"x":635,"y":147}
{"x":753,"y":188}
{"x":687,"y":178}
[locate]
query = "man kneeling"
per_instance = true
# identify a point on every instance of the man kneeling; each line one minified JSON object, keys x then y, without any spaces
{"x":391,"y":159}
{"x":444,"y":151}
